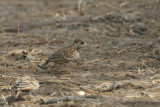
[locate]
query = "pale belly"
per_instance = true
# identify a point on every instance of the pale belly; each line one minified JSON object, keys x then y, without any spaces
{"x":76,"y":55}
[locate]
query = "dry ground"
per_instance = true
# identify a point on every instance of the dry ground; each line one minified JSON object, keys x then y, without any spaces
{"x":118,"y":33}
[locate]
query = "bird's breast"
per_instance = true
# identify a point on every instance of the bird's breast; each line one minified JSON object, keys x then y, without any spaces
{"x":76,"y":54}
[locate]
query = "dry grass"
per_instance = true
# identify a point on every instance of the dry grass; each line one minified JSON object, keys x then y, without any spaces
{"x":120,"y":35}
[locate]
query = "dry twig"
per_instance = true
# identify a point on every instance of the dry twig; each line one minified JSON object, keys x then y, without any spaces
{"x":109,"y":87}
{"x":69,"y":98}
{"x":82,"y":88}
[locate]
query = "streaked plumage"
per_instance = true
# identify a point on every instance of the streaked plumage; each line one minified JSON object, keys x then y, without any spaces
{"x":25,"y":83}
{"x":66,"y":54}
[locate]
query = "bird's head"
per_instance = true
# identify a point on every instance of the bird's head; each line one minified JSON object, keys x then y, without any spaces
{"x":78,"y":43}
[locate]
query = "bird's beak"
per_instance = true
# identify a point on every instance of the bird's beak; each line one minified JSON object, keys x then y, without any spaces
{"x":85,"y":44}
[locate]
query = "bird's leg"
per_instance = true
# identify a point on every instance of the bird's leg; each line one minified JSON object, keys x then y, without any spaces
{"x":76,"y":63}
{"x":17,"y":94}
{"x":67,"y":69}
{"x":64,"y":65}
{"x":60,"y":67}
{"x":79,"y":62}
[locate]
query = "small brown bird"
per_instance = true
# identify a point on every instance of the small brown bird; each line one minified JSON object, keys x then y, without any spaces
{"x":66,"y":54}
{"x":25,"y":84}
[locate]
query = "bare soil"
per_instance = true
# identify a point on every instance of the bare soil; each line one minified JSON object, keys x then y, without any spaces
{"x":119,"y":33}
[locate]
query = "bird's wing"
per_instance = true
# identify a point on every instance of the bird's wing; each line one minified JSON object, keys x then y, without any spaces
{"x":68,"y":53}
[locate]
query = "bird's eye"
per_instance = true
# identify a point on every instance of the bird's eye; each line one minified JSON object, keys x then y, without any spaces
{"x":82,"y":42}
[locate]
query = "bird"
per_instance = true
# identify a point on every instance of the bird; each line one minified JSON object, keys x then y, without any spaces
{"x":25,"y":84}
{"x":66,"y":54}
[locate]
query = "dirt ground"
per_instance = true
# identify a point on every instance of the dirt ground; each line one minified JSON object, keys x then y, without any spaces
{"x":120,"y":35}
